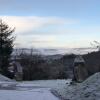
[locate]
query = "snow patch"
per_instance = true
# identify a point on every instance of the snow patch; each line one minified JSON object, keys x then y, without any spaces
{"x":4,"y":78}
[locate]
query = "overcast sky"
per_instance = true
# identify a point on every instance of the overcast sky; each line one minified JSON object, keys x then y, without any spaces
{"x":53,"y":23}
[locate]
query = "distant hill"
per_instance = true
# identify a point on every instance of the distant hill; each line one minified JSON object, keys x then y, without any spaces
{"x":93,"y":62}
{"x":56,"y":65}
{"x":53,"y":51}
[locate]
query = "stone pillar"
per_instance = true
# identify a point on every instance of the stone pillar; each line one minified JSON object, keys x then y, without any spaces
{"x":80,"y":71}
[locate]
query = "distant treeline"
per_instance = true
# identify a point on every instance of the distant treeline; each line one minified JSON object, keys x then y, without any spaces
{"x":92,"y":62}
{"x":35,"y":67}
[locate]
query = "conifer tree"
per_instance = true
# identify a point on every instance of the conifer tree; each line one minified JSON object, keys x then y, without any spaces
{"x":6,"y":46}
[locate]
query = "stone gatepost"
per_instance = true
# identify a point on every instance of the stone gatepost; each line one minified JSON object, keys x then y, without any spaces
{"x":80,"y":71}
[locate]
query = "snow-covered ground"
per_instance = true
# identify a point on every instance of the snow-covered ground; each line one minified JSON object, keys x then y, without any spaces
{"x":32,"y":94}
{"x":3,"y":78}
{"x":51,"y":89}
{"x":88,"y":90}
{"x":24,"y":91}
{"x":30,"y":90}
{"x":45,"y":83}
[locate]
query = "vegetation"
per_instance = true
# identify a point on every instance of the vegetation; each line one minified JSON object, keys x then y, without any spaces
{"x":35,"y":67}
{"x":6,"y":46}
{"x":92,"y":62}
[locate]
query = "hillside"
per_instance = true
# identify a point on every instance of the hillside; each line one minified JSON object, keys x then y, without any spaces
{"x":92,"y":62}
{"x":55,"y":66}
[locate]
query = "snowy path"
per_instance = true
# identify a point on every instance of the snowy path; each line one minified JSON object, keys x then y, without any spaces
{"x":35,"y":94}
{"x":30,"y":90}
{"x":25,"y":92}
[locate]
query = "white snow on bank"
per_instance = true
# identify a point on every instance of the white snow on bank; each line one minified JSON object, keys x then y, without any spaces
{"x":6,"y":83}
{"x":88,"y":90}
{"x":3,"y":78}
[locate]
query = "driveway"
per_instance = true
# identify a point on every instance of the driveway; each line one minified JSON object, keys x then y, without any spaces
{"x":14,"y":91}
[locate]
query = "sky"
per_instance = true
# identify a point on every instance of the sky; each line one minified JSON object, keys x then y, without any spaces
{"x":52,"y":23}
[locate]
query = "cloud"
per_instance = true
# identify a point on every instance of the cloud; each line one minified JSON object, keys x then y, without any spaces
{"x":49,"y":31}
{"x":34,"y":40}
{"x":37,"y":31}
{"x":31,"y":23}
{"x":43,"y":39}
